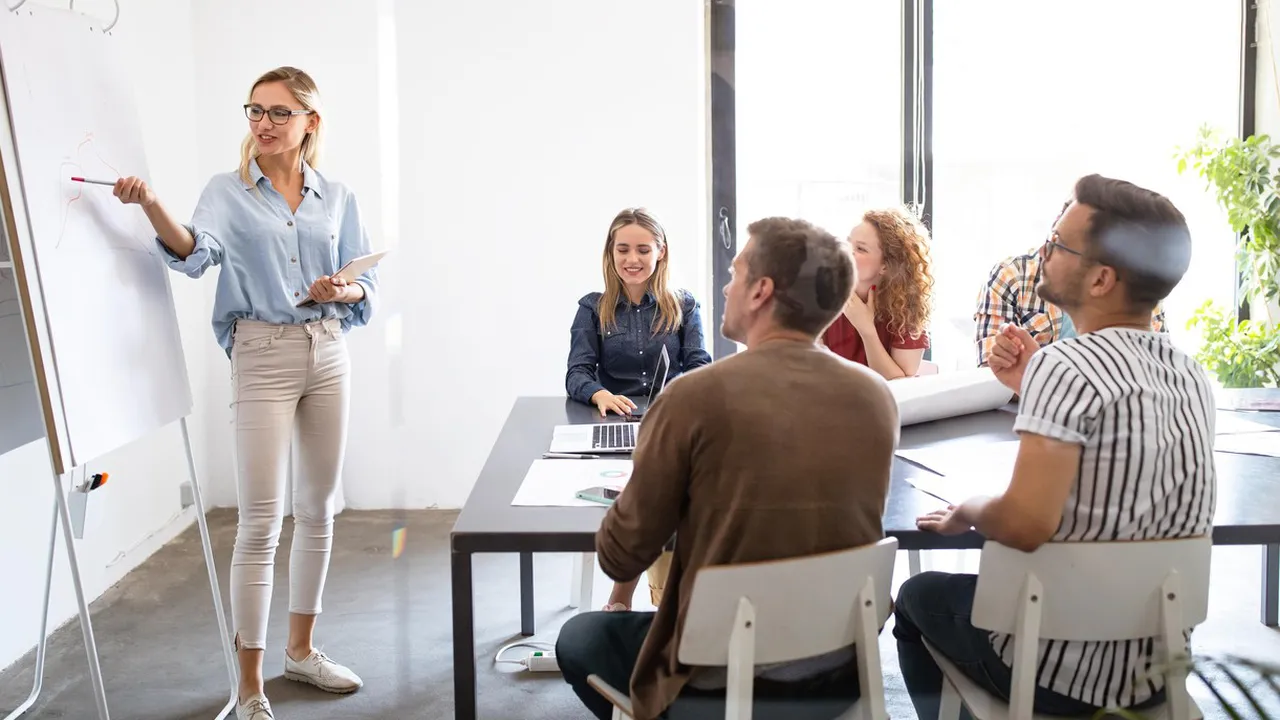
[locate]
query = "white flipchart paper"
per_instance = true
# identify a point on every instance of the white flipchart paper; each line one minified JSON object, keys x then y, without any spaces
{"x":949,"y":394}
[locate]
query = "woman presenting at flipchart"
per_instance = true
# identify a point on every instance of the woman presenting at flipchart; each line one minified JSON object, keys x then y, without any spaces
{"x":279,"y":229}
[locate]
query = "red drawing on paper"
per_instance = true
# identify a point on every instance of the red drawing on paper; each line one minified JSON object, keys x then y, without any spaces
{"x":89,"y":163}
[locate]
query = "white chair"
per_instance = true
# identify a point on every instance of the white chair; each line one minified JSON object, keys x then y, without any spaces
{"x":1097,"y":591}
{"x":779,"y":611}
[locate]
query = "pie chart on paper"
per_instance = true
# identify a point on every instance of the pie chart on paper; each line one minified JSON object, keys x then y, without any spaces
{"x":556,"y":482}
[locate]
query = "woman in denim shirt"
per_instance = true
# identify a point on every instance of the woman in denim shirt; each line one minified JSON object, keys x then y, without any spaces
{"x":617,"y":337}
{"x":280,"y":231}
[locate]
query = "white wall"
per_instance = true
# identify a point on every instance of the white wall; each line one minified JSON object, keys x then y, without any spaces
{"x":139,"y":509}
{"x":337,"y":47}
{"x":490,"y":148}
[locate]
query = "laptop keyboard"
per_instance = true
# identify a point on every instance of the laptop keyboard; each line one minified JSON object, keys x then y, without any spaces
{"x":613,"y":436}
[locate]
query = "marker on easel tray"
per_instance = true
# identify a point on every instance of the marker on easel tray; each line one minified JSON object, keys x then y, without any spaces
{"x":94,"y":182}
{"x":99,"y":479}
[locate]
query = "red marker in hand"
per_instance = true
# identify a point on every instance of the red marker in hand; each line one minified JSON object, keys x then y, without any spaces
{"x":110,"y":183}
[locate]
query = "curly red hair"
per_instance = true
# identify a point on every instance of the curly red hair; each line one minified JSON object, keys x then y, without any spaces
{"x":904,"y":293}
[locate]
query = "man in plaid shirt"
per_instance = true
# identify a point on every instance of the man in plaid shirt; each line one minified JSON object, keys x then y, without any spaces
{"x":1010,"y":297}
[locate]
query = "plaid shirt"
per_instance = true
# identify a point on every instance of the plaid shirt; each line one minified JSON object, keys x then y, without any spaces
{"x":1010,"y":297}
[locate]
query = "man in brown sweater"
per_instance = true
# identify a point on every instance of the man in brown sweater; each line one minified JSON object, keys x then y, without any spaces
{"x":780,"y":451}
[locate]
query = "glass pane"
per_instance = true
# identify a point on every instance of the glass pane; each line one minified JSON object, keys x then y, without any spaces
{"x":818,"y":110}
{"x":21,"y":422}
{"x":1027,"y":102}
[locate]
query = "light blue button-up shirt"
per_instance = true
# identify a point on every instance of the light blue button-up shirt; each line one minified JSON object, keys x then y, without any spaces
{"x":270,"y":256}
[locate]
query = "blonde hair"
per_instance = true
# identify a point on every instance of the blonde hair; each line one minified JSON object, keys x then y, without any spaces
{"x":305,"y":92}
{"x":669,"y":317}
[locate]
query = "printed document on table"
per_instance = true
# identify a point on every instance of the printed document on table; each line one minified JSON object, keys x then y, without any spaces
{"x":964,"y":470}
{"x":1232,"y":424}
{"x":554,"y":482}
{"x":1251,"y":443}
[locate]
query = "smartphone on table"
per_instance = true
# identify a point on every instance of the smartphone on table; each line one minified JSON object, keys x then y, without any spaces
{"x":599,"y":494}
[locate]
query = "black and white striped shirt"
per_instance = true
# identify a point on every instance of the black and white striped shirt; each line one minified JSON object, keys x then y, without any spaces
{"x":1143,"y":413}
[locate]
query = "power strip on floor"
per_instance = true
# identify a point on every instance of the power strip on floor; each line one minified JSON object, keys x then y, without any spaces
{"x":540,"y":661}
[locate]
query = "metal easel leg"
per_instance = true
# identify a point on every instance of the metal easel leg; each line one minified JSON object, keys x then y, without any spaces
{"x":86,"y":627}
{"x":224,"y":637}
{"x":38,"y":683}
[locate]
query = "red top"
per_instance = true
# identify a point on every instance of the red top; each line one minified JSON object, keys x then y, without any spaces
{"x":842,"y":339}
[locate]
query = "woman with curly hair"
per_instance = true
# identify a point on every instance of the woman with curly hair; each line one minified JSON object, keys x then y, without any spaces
{"x":885,"y":323}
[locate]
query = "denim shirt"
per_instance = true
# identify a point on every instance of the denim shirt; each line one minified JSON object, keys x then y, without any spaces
{"x":270,"y":255}
{"x":622,"y":359}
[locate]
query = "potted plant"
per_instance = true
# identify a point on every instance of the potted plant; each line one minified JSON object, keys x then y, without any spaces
{"x":1243,"y":688}
{"x":1242,"y":353}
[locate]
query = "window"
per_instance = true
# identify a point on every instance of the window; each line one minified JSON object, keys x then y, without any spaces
{"x":819,"y":86}
{"x":1027,"y":102}
{"x":807,"y":107}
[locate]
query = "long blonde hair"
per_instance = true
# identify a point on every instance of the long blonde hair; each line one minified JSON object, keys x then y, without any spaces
{"x":305,"y":92}
{"x":669,"y":317}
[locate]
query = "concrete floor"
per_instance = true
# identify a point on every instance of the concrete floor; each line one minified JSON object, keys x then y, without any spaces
{"x":389,"y":619}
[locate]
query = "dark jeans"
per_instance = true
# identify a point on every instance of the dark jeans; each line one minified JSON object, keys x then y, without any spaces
{"x":937,"y":607}
{"x":608,"y":643}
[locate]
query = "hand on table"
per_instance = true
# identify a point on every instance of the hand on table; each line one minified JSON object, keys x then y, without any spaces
{"x":607,"y":401}
{"x":943,"y":522}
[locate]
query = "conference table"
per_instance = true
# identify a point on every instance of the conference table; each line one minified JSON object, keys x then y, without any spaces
{"x":1248,"y":511}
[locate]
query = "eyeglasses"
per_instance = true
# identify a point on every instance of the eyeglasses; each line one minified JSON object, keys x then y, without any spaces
{"x":278,"y":115}
{"x":1052,"y":242}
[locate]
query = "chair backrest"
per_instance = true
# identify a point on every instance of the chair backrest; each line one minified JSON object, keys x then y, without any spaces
{"x":1097,"y":591}
{"x":803,"y":606}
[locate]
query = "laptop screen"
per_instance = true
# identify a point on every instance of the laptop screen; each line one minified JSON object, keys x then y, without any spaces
{"x":659,"y":375}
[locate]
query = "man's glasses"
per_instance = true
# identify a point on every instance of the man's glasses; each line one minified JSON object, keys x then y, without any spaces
{"x":278,"y":115}
{"x":1052,"y":242}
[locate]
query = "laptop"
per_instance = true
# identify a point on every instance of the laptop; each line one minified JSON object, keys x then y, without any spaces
{"x":611,"y":437}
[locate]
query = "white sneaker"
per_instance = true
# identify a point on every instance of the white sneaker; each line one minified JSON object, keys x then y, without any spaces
{"x":255,"y":708}
{"x":317,"y":669}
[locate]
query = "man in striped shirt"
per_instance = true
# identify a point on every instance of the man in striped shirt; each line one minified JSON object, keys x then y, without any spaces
{"x":1116,"y":428}
{"x":1010,"y":296}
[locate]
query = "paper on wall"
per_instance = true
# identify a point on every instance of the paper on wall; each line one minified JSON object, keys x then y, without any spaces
{"x":949,"y":394}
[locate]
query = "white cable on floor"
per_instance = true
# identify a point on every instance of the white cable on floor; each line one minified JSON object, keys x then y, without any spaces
{"x":536,"y":644}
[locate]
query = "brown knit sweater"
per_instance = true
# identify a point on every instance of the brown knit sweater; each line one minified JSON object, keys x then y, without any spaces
{"x":781,"y":451}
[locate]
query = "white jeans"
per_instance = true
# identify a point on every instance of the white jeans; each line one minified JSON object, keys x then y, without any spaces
{"x":285,"y":377}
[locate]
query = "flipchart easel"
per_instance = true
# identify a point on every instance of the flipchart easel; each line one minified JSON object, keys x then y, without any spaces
{"x":33,"y":300}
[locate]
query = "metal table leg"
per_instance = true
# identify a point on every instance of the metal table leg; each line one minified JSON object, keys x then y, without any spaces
{"x":1271,"y":585}
{"x":464,"y":640}
{"x":526,"y":593}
